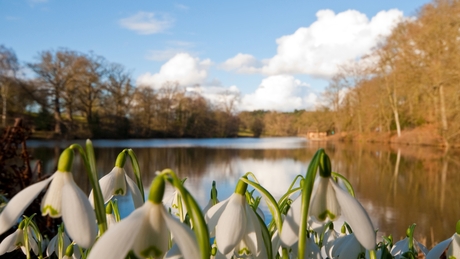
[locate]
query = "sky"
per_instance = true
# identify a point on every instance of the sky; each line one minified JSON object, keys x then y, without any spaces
{"x":275,"y":55}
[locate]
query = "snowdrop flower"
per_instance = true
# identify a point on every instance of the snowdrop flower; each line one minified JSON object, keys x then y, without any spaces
{"x":404,"y":245}
{"x":347,"y":246}
{"x":331,"y":201}
{"x":17,"y":240}
{"x":236,"y":225}
{"x":146,"y":231}
{"x":117,"y":182}
{"x":63,"y":198}
{"x":328,"y":241}
{"x":450,"y":246}
{"x":312,"y":249}
{"x":53,"y":245}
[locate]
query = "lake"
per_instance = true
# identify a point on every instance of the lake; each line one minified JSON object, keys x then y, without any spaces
{"x":398,"y":186}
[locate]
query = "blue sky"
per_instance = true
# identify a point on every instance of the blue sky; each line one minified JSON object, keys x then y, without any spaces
{"x":277,"y":55}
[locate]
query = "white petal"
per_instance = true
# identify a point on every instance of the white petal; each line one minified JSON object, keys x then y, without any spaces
{"x":276,"y":242}
{"x":454,"y":248}
{"x":290,"y":232}
{"x":312,"y":249}
{"x":9,"y":243}
{"x":437,"y":251}
{"x":107,"y":184}
{"x":400,"y":247}
{"x":324,"y":203}
{"x":329,"y":238}
{"x":14,"y":209}
{"x":174,"y":253}
{"x":253,"y":236}
{"x":347,"y":247}
{"x":135,"y":192}
{"x":231,"y":225}
{"x":208,"y":206}
{"x":111,"y":221}
{"x":261,"y":213}
{"x":51,"y":246}
{"x":183,"y":236}
{"x":118,"y":240}
{"x":356,"y":216}
{"x":120,"y":182}
{"x":214,"y":213}
{"x":421,"y":247}
{"x":52,"y":201}
{"x":32,"y":242}
{"x":352,"y":248}
{"x":153,"y":237}
{"x":78,"y":215}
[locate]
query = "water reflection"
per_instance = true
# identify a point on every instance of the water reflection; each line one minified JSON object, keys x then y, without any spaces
{"x":397,"y":185}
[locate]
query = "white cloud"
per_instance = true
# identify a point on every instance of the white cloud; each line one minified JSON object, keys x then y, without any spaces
{"x":281,"y":93}
{"x":147,"y":23}
{"x":317,"y":50}
{"x":182,"y":68}
{"x":241,"y":63}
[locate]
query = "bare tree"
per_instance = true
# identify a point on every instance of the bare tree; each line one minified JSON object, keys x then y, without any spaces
{"x":9,"y":66}
{"x":55,"y":71}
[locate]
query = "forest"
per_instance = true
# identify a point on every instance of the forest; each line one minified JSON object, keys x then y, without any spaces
{"x":408,"y":83}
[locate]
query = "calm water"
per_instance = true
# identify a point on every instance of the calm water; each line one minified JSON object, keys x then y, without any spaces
{"x":397,"y":186}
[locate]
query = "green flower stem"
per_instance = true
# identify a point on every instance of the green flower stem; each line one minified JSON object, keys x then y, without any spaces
{"x":93,"y":179}
{"x":271,"y":202}
{"x":214,"y":193}
{"x":307,"y":189}
{"x":266,"y":237}
{"x":115,"y":210}
{"x":121,"y":159}
{"x":38,"y":235}
{"x":66,"y":160}
{"x":346,"y":182}
{"x":137,"y":171}
{"x":60,"y":241}
{"x":91,"y":156}
{"x":372,"y":254}
{"x":410,"y":235}
{"x":241,"y":186}
{"x":199,"y":225}
{"x":157,"y":190}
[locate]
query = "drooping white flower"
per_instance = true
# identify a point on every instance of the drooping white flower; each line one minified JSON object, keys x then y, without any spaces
{"x":146,"y":231}
{"x":330,"y":201}
{"x":63,"y":198}
{"x":17,"y":240}
{"x":237,"y":228}
{"x":117,"y":182}
{"x":450,"y":246}
{"x":312,"y":250}
{"x":53,"y":245}
{"x":347,"y":246}
{"x":402,"y":246}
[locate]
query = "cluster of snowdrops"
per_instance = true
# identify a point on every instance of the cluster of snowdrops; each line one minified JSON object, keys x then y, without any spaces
{"x":318,"y":217}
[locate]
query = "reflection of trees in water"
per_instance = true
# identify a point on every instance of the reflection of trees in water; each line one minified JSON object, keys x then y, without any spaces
{"x":398,"y":188}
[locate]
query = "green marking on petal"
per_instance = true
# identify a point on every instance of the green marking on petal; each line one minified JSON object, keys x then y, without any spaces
{"x":244,"y":251}
{"x":152,"y":251}
{"x":326,"y":214}
{"x":48,"y":209}
{"x":119,"y":192}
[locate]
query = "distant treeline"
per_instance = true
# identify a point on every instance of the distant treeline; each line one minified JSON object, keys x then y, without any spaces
{"x":410,"y":80}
